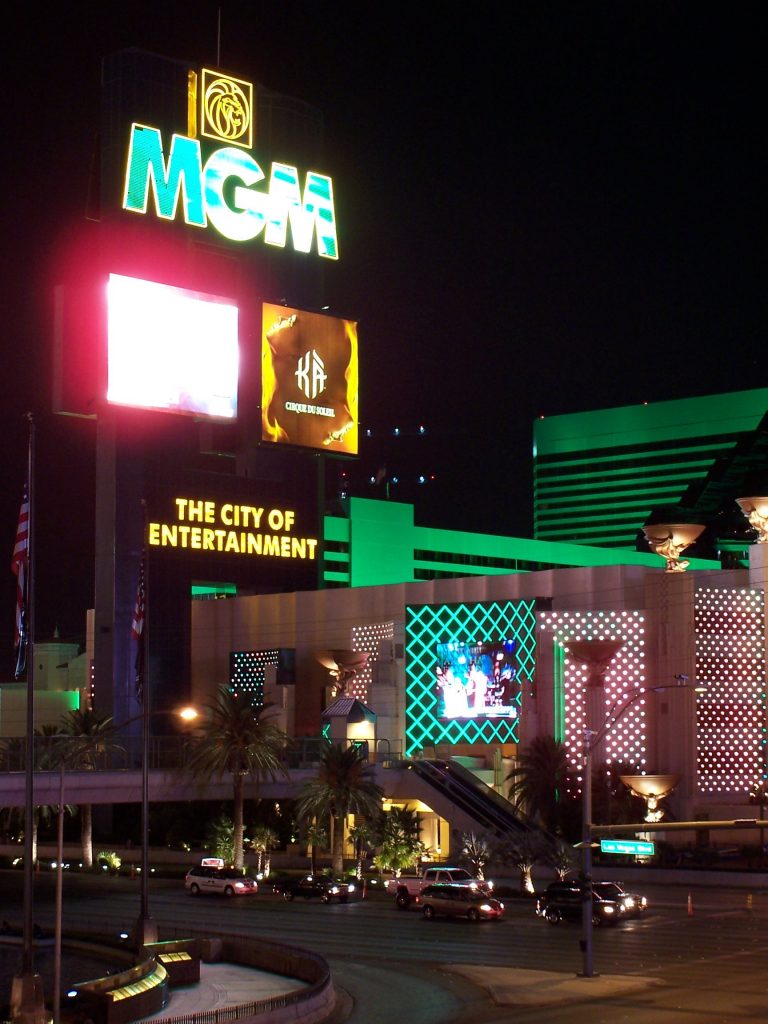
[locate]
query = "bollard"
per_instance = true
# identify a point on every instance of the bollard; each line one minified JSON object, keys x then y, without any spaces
{"x":690,"y":905}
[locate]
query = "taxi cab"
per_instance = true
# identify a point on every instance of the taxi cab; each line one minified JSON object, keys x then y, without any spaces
{"x":211,"y":876}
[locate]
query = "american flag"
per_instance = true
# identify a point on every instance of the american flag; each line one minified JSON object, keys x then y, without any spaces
{"x":137,"y":628}
{"x":19,"y":567}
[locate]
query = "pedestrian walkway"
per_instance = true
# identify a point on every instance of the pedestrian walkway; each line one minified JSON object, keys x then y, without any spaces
{"x":220,"y":985}
{"x":223,"y":984}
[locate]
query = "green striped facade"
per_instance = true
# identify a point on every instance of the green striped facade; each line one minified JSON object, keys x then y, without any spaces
{"x":379,"y":543}
{"x":597,"y":476}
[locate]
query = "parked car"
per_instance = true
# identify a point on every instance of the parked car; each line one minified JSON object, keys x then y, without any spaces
{"x":451,"y":899}
{"x":226,"y":881}
{"x":562,"y":901}
{"x":632,"y":903}
{"x":324,"y":886}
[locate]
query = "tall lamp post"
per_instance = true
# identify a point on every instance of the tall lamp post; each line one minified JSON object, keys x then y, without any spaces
{"x":592,"y":739}
{"x":596,"y":656}
{"x":145,"y":929}
{"x":144,"y":923}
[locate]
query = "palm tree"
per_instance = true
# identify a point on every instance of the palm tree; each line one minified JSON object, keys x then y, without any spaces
{"x":316,"y":836}
{"x":236,"y":738}
{"x":476,"y":850}
{"x":220,"y":838}
{"x":539,"y":781}
{"x":263,"y":840}
{"x":48,"y":756}
{"x":399,"y":844}
{"x":360,"y":837}
{"x":562,"y":857}
{"x":524,"y":850}
{"x":92,"y":738}
{"x":344,"y":785}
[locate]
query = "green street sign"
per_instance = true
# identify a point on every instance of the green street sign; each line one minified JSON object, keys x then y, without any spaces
{"x":633,"y":846}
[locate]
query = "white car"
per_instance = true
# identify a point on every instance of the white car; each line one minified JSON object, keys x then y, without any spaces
{"x":226,"y":881}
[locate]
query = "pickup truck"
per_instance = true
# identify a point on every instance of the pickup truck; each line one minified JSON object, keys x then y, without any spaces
{"x":407,"y":888}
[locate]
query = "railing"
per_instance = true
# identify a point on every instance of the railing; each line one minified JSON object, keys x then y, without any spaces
{"x":315,"y":1001}
{"x":166,"y":753}
{"x":487,"y":807}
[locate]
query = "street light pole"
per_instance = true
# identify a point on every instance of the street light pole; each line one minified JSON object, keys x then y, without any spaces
{"x":586,"y":857}
{"x":145,"y":929}
{"x":592,"y":739}
{"x":59,"y":901}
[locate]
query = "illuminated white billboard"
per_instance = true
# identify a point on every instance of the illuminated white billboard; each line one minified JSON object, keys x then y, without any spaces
{"x":171,"y":349}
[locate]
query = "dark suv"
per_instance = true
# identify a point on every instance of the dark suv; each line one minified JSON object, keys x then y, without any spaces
{"x":632,"y":903}
{"x":562,"y":901}
{"x":324,"y":886}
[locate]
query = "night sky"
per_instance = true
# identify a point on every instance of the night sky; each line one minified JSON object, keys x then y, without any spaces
{"x":543,"y":208}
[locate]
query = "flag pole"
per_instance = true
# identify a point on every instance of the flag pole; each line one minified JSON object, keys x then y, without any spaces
{"x":146,"y":928}
{"x":27,"y":1002}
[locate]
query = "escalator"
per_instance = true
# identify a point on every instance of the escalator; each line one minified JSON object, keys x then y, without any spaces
{"x":467,"y":803}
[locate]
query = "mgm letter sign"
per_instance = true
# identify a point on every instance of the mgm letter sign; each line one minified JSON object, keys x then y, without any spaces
{"x":226,"y":187}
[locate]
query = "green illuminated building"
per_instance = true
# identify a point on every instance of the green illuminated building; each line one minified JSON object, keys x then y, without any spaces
{"x":597,"y":476}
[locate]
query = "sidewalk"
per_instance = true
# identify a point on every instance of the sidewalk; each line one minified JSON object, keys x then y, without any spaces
{"x":224,"y":984}
{"x":220,"y":985}
{"x":514,"y":986}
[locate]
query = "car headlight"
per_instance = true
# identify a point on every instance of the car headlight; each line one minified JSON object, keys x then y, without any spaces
{"x":350,"y":888}
{"x":334,"y":889}
{"x":629,"y":903}
{"x":607,"y":910}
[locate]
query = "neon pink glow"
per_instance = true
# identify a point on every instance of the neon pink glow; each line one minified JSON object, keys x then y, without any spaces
{"x":171,"y":349}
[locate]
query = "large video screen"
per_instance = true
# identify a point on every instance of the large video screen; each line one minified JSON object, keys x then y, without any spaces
{"x":477,"y":680}
{"x":309,"y":380}
{"x":494,"y":638}
{"x":171,"y":349}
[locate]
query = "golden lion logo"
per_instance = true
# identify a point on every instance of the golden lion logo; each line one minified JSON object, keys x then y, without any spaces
{"x":227,"y":109}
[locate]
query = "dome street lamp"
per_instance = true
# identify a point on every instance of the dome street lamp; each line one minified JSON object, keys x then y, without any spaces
{"x":756,"y":511}
{"x":669,"y":540}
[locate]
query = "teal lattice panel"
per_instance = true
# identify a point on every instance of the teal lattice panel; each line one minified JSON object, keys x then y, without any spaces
{"x":483,"y":623}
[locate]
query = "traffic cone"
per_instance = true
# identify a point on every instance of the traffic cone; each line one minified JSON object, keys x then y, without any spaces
{"x":749,"y":902}
{"x":690,"y":905}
